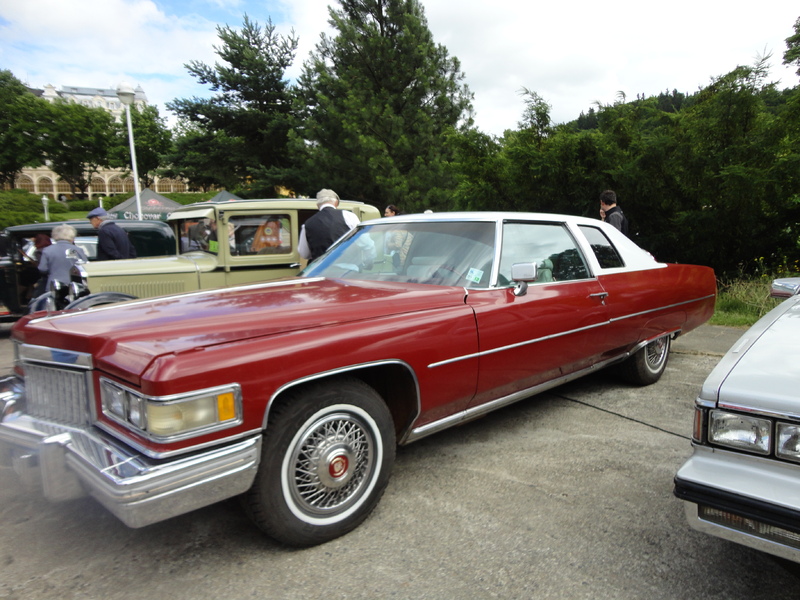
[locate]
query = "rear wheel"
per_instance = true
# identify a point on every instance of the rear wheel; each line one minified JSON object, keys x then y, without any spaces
{"x":327,"y":457}
{"x":648,"y":364}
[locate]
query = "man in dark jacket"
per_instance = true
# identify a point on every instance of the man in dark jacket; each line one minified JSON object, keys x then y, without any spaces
{"x":611,"y":213}
{"x":325,"y":227}
{"x":112,"y":241}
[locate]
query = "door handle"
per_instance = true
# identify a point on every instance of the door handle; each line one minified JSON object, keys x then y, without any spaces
{"x":601,"y":295}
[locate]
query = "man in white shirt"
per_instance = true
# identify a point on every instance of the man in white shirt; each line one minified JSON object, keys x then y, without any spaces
{"x":325,"y":227}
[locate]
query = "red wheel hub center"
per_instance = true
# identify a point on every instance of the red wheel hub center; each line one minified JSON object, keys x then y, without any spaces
{"x":338,"y":466}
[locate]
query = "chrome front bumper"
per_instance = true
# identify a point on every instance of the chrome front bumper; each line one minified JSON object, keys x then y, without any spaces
{"x":70,"y":462}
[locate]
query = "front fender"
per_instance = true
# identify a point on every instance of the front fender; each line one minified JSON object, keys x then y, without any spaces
{"x":98,"y":299}
{"x":148,"y":277}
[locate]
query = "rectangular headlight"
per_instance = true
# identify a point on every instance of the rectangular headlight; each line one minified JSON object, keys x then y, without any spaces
{"x":172,"y":417}
{"x":788,"y":441}
{"x":741,"y":432}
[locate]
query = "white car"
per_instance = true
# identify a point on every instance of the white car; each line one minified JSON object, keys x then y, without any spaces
{"x":742,"y":482}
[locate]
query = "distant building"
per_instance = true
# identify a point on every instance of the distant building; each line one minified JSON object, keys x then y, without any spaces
{"x":41,"y":180}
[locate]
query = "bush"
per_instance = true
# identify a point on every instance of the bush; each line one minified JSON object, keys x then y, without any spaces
{"x":85,"y":205}
{"x":742,"y":302}
{"x":20,"y":200}
{"x":190,"y":198}
{"x":7,"y":219}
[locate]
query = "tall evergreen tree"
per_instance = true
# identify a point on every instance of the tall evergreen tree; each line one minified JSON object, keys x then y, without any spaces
{"x":379,"y":101}
{"x":254,"y":101}
{"x":792,"y":54}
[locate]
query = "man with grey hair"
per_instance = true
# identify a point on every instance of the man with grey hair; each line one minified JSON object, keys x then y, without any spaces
{"x":112,"y":241}
{"x":325,"y":227}
{"x":58,"y":258}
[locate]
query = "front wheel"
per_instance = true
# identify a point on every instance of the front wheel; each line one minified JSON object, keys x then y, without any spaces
{"x":648,"y":364}
{"x":327,"y":456}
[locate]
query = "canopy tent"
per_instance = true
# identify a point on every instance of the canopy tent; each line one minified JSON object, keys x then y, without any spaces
{"x":155,"y":207}
{"x":224,"y":196}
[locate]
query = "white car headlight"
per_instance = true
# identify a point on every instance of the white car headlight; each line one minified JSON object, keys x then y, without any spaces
{"x":741,"y":432}
{"x":169,"y":418}
{"x":788,"y":441}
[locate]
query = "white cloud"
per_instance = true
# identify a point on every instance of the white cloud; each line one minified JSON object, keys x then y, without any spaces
{"x":571,"y":53}
{"x":120,"y":40}
{"x":576,"y":53}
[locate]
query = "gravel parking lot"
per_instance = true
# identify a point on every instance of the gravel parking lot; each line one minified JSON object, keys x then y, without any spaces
{"x":567,"y":495}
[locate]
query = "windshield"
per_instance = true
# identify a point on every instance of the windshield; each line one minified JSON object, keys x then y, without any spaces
{"x":436,"y":253}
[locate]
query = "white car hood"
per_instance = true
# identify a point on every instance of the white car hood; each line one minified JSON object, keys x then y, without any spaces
{"x":762,"y":370}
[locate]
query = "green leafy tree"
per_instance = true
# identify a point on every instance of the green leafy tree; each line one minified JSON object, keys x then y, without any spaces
{"x":79,"y":142}
{"x":252,"y":108}
{"x":152,"y":140}
{"x":22,"y":119}
{"x":792,"y":54}
{"x":379,"y":101}
{"x":203,"y":158}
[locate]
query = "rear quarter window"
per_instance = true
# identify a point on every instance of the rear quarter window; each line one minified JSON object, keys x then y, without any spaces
{"x":605,"y":252}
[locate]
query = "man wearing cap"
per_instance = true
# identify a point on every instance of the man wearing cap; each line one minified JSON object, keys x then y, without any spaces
{"x":112,"y":241}
{"x":325,"y":227}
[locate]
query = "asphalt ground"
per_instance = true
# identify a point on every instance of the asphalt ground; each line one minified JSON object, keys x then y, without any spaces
{"x":567,"y":495}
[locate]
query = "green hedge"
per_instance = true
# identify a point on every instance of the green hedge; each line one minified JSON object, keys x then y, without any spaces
{"x":7,"y":219}
{"x":83,"y":205}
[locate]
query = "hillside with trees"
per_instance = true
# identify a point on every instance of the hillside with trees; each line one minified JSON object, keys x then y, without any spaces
{"x":381,"y":113}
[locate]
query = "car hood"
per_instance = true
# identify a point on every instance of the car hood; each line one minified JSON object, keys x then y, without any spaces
{"x":190,"y":262}
{"x":760,"y":370}
{"x":126,"y":337}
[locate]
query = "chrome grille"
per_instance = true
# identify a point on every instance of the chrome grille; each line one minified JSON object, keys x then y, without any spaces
{"x":58,"y":394}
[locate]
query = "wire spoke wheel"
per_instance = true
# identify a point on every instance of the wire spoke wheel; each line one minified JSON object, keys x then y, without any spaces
{"x":656,"y":353}
{"x":326,"y":459}
{"x":648,"y":363}
{"x":331,"y":463}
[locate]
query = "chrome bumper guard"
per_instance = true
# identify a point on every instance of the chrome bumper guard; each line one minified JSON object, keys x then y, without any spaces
{"x":71,"y":462}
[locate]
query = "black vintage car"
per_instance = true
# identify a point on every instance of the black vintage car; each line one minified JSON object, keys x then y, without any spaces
{"x":19,"y":272}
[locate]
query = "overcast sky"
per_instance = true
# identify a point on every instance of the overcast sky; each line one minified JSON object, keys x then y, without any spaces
{"x":574,"y":54}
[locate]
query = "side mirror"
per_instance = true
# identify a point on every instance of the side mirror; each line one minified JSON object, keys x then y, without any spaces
{"x":522,"y":274}
{"x":785,"y":288}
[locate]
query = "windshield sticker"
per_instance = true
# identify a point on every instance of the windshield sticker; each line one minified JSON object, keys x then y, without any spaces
{"x":475,"y":275}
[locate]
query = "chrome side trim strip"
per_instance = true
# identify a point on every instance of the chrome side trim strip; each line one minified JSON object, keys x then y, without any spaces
{"x":517,"y":345}
{"x":570,"y":332}
{"x":477,"y":411}
{"x":652,"y":310}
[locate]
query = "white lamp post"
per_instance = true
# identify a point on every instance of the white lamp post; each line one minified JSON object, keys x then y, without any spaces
{"x":125,"y":94}
{"x":45,"y":202}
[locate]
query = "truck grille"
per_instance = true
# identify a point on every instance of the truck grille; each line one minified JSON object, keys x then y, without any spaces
{"x":58,"y":394}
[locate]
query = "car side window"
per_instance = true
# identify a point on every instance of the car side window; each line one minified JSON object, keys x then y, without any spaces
{"x":260,"y":234}
{"x":549,"y":245}
{"x":603,"y":249}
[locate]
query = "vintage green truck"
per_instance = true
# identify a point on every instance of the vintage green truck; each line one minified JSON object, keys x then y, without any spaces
{"x":218,"y":244}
